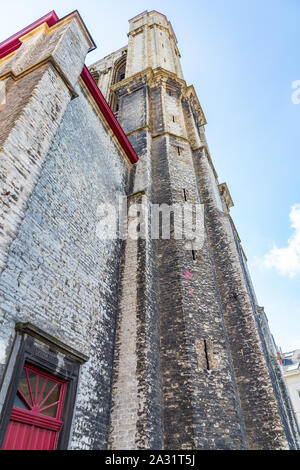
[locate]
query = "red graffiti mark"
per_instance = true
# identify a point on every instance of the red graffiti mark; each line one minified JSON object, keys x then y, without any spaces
{"x":188,"y":275}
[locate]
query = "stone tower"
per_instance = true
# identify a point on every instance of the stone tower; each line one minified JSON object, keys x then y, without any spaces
{"x":192,"y":367}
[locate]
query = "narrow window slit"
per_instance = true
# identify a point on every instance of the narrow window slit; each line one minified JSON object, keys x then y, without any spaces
{"x":184,"y":195}
{"x":206,"y":355}
{"x":178,"y":150}
{"x":194,"y":255}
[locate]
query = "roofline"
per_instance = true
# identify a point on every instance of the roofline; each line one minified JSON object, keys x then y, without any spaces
{"x":13,"y":43}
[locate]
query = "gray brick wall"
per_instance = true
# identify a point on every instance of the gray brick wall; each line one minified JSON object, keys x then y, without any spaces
{"x":175,"y":361}
{"x":59,"y":275}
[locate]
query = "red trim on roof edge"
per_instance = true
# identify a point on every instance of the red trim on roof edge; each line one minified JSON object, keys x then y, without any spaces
{"x":13,"y":43}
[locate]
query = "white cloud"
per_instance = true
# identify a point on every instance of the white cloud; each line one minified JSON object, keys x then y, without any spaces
{"x":287,"y":260}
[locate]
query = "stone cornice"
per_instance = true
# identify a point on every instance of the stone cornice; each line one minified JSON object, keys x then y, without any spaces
{"x":101,"y":114}
{"x":160,"y":76}
{"x":48,"y":25}
{"x":234,"y":228}
{"x":110,"y":59}
{"x":36,"y":332}
{"x":165,"y":75}
{"x":47,"y":60}
{"x":108,"y":115}
{"x":60,"y":23}
{"x":290,"y":373}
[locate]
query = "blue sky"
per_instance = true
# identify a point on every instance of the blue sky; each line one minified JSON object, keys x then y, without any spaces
{"x":242,"y":57}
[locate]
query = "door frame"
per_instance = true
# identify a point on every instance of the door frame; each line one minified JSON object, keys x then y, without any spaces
{"x":41,"y":350}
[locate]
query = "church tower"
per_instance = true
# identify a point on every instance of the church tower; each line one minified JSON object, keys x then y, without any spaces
{"x":192,"y":364}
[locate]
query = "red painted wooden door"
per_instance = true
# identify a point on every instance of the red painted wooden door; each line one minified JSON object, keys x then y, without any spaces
{"x":35,"y":421}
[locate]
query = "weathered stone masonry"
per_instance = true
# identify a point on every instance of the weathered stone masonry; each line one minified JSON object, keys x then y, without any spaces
{"x":56,"y":273}
{"x":217,"y":388}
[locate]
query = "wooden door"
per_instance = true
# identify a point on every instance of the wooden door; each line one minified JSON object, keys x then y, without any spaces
{"x":35,"y":420}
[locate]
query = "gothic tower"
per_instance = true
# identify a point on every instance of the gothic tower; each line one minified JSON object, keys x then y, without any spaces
{"x":193,"y":368}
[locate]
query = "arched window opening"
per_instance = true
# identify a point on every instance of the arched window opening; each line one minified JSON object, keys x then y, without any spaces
{"x":119,"y":70}
{"x":114,"y":104}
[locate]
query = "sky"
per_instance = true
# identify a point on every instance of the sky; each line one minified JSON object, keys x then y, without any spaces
{"x":242,"y":56}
